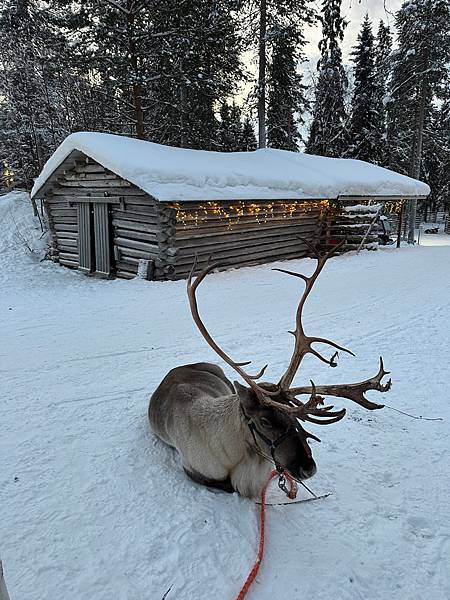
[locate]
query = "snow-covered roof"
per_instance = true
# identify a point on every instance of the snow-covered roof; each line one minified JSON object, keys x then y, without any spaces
{"x":171,"y":174}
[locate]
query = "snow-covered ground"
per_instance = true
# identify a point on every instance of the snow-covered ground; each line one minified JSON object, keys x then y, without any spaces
{"x":94,"y":507}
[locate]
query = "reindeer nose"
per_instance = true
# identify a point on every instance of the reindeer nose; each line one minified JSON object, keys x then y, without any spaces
{"x":309,"y":471}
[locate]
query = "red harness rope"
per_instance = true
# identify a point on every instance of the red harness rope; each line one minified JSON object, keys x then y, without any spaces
{"x":253,"y":573}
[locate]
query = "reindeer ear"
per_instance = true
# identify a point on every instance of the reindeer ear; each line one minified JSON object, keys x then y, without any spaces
{"x":246,"y":397}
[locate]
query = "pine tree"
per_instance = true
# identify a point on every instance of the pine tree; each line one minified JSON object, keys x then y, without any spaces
{"x":43,"y":97}
{"x":436,"y":161}
{"x":364,"y":135}
{"x":383,"y":69}
{"x":418,"y":70}
{"x":197,"y":66}
{"x":327,"y":135}
{"x":230,"y":128}
{"x":248,"y":138}
{"x":286,"y":93}
{"x":272,"y":22}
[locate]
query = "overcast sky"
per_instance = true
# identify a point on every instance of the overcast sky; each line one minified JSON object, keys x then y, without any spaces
{"x":354,"y":11}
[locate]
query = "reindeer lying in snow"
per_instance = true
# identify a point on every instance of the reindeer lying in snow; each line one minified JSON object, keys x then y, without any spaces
{"x":230,"y":436}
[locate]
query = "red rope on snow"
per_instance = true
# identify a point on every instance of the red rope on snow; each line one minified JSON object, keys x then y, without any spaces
{"x":253,"y":573}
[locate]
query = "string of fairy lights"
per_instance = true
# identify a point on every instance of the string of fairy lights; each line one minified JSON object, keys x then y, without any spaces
{"x":233,"y":213}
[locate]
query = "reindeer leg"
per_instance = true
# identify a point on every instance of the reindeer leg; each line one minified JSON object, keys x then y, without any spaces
{"x":220,"y":484}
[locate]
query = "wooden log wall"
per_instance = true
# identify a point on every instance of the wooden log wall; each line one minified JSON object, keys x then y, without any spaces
{"x":240,"y":233}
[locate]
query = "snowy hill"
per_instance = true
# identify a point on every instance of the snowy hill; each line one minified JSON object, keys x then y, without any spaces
{"x":94,"y":507}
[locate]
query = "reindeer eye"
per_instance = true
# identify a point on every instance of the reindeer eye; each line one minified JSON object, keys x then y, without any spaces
{"x":266,"y":423}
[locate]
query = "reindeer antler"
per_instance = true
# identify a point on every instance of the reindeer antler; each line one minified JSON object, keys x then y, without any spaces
{"x":304,"y":343}
{"x":281,"y":396}
{"x":192,"y":285}
{"x":351,"y":391}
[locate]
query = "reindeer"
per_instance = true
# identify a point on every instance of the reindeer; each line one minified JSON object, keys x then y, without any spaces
{"x":230,"y":436}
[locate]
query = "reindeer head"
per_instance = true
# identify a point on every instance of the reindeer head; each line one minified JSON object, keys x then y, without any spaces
{"x":273,"y":411}
{"x":276,"y":435}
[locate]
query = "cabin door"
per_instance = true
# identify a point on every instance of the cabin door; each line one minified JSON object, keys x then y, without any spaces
{"x":94,"y":238}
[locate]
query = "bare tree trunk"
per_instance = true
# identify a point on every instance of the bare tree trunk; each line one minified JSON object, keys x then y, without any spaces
{"x":262,"y":76}
{"x":417,"y":143}
{"x":136,"y":88}
{"x":3,"y":591}
{"x":416,"y":154}
{"x":182,"y":108}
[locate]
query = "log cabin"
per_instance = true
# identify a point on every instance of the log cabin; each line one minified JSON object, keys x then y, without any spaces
{"x":121,"y":207}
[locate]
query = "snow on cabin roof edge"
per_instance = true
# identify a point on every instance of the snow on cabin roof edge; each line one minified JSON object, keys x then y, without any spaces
{"x":178,"y":174}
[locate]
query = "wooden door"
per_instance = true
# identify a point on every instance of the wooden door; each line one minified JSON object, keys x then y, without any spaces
{"x":85,"y":237}
{"x":102,"y":237}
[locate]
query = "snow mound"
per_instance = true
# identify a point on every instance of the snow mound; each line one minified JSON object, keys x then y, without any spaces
{"x":20,"y":228}
{"x":171,"y":174}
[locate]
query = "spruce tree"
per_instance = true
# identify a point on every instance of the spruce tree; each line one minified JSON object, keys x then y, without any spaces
{"x":436,"y":161}
{"x":383,"y":69}
{"x":196,"y":57}
{"x":286,"y":93}
{"x":230,"y":128}
{"x":419,"y":67}
{"x":364,"y":135}
{"x":248,"y":138}
{"x":43,"y":96}
{"x":327,"y":135}
{"x":272,"y":22}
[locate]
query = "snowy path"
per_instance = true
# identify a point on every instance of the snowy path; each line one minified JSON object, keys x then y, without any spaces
{"x":93,"y":507}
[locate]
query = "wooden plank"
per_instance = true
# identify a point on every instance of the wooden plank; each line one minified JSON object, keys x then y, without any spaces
{"x":134,"y":225}
{"x":62,"y":235}
{"x":87,"y":176}
{"x":68,"y":243}
{"x":102,"y":239}
{"x":125,"y":251}
{"x":146,"y":200}
{"x":59,"y":203}
{"x":68,"y":263}
{"x":90,"y":168}
{"x":183,"y":272}
{"x":212,"y":226}
{"x":138,"y":209}
{"x":128,"y":264}
{"x":69,"y":256}
{"x":85,"y":238}
{"x":222,"y":237}
{"x":270,"y":249}
{"x":246,"y":245}
{"x":125,"y":274}
{"x":127,"y":243}
{"x":95,"y":184}
{"x":65,"y":227}
{"x":65,"y":219}
{"x":64,"y":248}
{"x":130,"y":260}
{"x":136,"y":235}
{"x":69,"y":192}
{"x":63,"y":212}
{"x":129,"y":216}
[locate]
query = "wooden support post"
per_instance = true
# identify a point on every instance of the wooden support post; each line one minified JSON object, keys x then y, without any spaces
{"x":399,"y":224}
